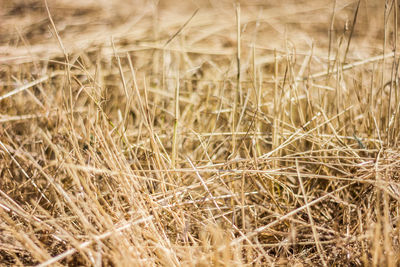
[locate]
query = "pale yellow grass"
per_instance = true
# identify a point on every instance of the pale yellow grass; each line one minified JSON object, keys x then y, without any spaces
{"x":199,"y":133}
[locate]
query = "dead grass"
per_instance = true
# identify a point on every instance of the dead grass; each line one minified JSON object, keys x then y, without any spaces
{"x":133,"y":133}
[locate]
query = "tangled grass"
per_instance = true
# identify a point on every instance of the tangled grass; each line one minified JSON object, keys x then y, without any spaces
{"x":198,"y":133}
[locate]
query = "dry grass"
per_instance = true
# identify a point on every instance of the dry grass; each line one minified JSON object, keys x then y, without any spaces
{"x":133,"y":133}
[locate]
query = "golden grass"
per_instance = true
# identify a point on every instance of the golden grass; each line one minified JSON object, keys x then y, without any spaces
{"x":198,"y":133}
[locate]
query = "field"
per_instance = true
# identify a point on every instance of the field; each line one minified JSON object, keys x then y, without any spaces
{"x":199,"y":133}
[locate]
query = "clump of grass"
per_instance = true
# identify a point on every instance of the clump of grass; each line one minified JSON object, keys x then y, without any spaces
{"x":214,"y":133}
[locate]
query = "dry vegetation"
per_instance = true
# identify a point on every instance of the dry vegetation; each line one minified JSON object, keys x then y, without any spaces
{"x":128,"y":137}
